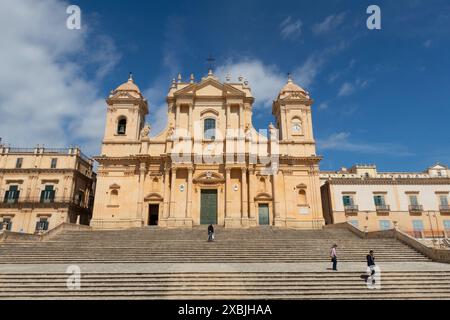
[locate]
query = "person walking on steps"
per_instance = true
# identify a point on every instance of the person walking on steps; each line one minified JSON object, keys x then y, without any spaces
{"x":210,"y":233}
{"x":333,"y":255}
{"x":371,"y":268}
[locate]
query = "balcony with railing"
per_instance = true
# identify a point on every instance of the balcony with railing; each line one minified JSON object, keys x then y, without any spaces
{"x":415,"y":209}
{"x":383,"y":209}
{"x":351,"y":209}
{"x":39,"y":202}
{"x":444,"y":209}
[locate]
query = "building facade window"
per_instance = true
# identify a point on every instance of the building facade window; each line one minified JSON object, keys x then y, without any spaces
{"x":122,"y":126}
{"x":42,"y":224}
{"x":12,"y":195}
{"x":209,"y":129}
{"x":447,"y":225}
{"x":54,"y":163}
{"x":413,"y":200}
{"x":6,"y":224}
{"x":443,"y":200}
{"x":348,"y":201}
{"x":385,"y":224}
{"x":19,"y":163}
{"x":379,"y":200}
{"x":48,"y":195}
{"x":418,"y":225}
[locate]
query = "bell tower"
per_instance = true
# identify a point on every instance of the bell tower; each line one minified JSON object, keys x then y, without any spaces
{"x":126,"y":113}
{"x":292,"y":111}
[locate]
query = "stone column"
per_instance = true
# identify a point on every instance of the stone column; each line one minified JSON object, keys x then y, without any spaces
{"x":166,"y":193}
{"x":190,"y":124}
{"x":241,"y":116}
{"x":227,"y":106}
{"x":189,"y":195}
{"x":244,"y":192}
{"x":177,"y":114}
{"x":228,"y":193}
{"x":252,"y":188}
{"x":172,"y":193}
{"x":275,"y":196}
{"x":142,"y":173}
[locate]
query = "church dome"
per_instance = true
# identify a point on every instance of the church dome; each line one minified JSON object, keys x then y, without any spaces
{"x":292,"y":87}
{"x":129,"y":86}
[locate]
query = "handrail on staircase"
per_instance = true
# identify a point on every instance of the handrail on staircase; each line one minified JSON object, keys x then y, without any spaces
{"x":16,"y":236}
{"x":435,"y":254}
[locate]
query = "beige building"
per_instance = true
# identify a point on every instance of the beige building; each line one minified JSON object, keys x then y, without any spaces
{"x":43,"y":188}
{"x":210,"y":165}
{"x":416,"y":202}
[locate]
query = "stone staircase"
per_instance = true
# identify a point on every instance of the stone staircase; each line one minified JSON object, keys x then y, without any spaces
{"x":190,"y":246}
{"x":270,"y":263}
{"x":228,"y":286}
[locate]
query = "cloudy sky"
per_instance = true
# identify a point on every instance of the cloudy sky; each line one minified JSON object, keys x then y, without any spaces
{"x":382,"y":96}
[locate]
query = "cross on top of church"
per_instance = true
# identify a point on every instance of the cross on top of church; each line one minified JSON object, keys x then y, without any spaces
{"x":210,"y":62}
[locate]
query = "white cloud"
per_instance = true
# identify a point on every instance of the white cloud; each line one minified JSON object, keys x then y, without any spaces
{"x":323,"y":106}
{"x":341,"y":142}
{"x":346,"y":89}
{"x":46,"y":96}
{"x":330,"y":23}
{"x":291,"y":29}
{"x":265,"y":81}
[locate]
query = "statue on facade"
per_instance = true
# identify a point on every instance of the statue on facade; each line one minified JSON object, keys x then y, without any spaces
{"x":273,"y":131}
{"x":248,"y":132}
{"x":170,"y":131}
{"x":145,"y":131}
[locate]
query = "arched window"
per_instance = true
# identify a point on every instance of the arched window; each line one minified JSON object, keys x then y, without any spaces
{"x":114,"y":198}
{"x":122,"y":126}
{"x":209,"y":129}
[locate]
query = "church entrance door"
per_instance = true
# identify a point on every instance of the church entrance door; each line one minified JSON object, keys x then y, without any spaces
{"x":208,"y":207}
{"x":153,"y":214}
{"x":263,"y":210}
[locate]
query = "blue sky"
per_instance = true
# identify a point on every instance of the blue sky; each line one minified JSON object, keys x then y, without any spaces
{"x":382,"y":96}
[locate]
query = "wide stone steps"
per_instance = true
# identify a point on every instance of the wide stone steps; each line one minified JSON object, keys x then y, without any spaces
{"x":293,"y":285}
{"x":190,"y":246}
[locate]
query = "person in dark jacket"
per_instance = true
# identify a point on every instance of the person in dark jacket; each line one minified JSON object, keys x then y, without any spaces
{"x":210,"y":233}
{"x":371,"y":265}
{"x":333,"y":255}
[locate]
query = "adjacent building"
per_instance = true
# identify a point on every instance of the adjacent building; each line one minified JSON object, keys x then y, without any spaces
{"x":44,"y":187}
{"x":415,"y":202}
{"x":209,"y":165}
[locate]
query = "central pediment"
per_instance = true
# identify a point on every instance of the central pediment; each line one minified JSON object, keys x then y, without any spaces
{"x":210,"y":87}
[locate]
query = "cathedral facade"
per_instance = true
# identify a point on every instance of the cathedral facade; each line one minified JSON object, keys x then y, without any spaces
{"x":209,"y":165}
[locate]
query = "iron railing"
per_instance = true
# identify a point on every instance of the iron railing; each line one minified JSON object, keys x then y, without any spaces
{"x":39,"y":202}
{"x":416,"y":208}
{"x":351,"y":209}
{"x":383,"y":208}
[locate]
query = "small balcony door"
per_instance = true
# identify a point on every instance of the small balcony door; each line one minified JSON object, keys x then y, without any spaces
{"x":48,"y":195}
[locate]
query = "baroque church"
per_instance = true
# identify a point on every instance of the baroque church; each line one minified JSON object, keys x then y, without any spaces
{"x":209,"y":165}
